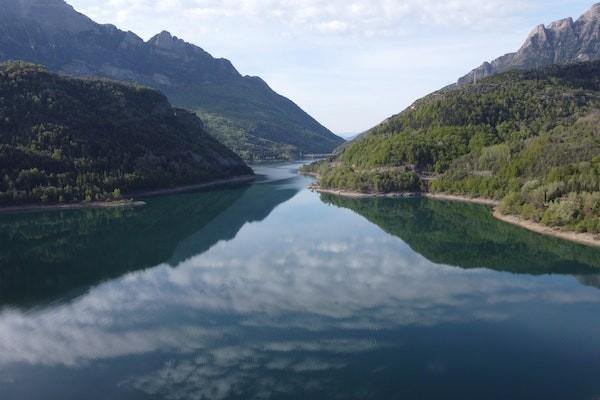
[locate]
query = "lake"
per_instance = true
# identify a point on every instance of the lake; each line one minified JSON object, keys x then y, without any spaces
{"x":272,"y":291}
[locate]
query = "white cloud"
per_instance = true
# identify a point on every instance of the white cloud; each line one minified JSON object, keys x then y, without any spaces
{"x":314,"y":286}
{"x":358,"y":17}
{"x":310,"y":285}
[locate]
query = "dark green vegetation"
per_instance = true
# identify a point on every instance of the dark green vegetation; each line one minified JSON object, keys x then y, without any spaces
{"x":531,"y":138}
{"x":45,"y":256}
{"x":70,"y":140}
{"x":466,"y":235}
{"x":254,"y":121}
{"x":241,"y":111}
{"x":379,"y":180}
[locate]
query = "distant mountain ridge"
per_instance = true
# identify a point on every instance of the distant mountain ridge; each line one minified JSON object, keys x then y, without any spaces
{"x":241,"y":111}
{"x":562,"y":42}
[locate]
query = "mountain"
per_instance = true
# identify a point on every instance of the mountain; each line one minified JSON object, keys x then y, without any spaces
{"x":65,"y":140}
{"x":562,"y":42}
{"x":531,"y":138}
{"x":241,"y":111}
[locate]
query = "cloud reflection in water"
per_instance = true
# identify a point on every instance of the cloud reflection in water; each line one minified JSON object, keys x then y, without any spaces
{"x":269,"y":301}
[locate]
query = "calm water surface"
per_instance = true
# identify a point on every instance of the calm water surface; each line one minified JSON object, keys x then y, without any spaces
{"x":271,"y":291}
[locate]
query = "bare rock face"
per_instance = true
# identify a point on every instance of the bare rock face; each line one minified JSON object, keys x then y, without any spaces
{"x":562,"y":42}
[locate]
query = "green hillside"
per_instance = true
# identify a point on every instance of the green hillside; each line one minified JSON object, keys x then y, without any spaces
{"x":531,"y":138}
{"x":241,"y":111}
{"x":250,"y":118}
{"x":69,"y":140}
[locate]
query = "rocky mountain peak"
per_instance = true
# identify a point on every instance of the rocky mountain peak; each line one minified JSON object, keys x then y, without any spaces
{"x":166,"y":41}
{"x":593,"y":13}
{"x":164,"y":35}
{"x":540,"y":38}
{"x":176,"y":48}
{"x":562,"y":42}
{"x":132,"y":40}
{"x":539,"y":30}
{"x":562,"y":25}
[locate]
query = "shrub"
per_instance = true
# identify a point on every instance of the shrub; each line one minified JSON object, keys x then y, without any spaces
{"x":511,"y":204}
{"x":563,"y":211}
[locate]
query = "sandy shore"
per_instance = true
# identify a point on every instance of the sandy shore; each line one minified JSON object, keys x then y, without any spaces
{"x":73,"y":206}
{"x":582,"y":238}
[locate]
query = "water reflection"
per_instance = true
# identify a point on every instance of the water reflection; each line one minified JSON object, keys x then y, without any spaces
{"x":316,"y":302}
{"x":57,"y":255}
{"x":467,"y":236}
{"x":590,"y":280}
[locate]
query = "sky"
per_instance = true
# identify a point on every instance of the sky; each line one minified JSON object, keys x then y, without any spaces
{"x":348,"y":63}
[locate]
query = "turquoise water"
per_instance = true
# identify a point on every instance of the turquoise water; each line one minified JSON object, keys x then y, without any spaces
{"x":271,"y":291}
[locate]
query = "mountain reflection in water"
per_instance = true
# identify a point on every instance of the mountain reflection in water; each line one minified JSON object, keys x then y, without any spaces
{"x":283,"y":295}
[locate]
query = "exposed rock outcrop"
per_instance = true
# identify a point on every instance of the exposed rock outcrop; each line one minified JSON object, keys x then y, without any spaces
{"x":562,"y":42}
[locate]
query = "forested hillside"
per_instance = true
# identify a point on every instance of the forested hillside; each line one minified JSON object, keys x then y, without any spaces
{"x":69,"y":140}
{"x":241,"y":111}
{"x":531,"y":138}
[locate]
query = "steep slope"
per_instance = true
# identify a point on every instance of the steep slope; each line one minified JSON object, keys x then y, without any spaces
{"x":241,"y":111}
{"x":67,"y":140}
{"x":531,"y":138}
{"x":562,"y":42}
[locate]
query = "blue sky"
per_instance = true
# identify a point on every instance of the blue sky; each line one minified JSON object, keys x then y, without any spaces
{"x":349,"y":63}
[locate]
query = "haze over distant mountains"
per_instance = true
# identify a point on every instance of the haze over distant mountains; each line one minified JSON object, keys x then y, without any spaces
{"x":562,"y":42}
{"x":242,"y":111}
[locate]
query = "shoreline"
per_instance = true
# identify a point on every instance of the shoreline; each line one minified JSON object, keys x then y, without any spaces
{"x":191,"y":188}
{"x":95,"y":205}
{"x":464,"y":199}
{"x":571,"y":236}
{"x":587,"y":239}
{"x":359,"y":195}
{"x":312,"y":174}
{"x":126,"y":203}
{"x":408,"y":195}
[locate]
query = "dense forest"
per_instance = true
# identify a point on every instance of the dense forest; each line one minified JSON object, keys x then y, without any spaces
{"x":528,"y":138}
{"x":70,"y":140}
